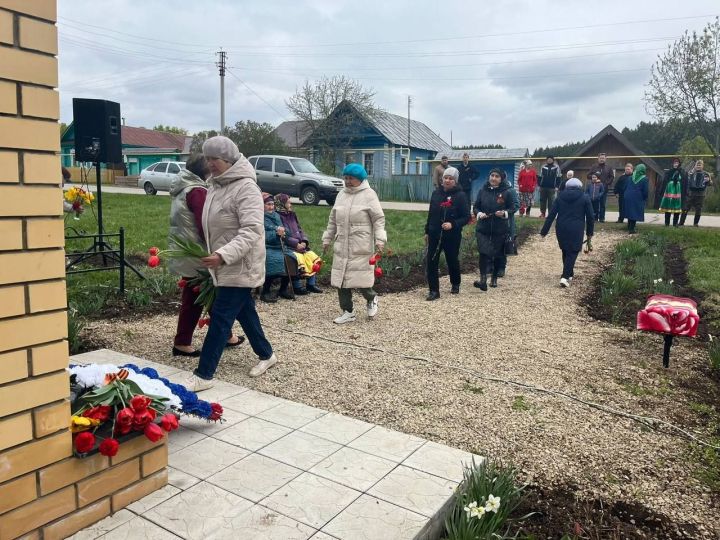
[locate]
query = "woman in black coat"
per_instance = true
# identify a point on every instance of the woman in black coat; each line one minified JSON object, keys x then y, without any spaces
{"x":574,"y":215}
{"x":493,"y":207}
{"x":448,"y":214}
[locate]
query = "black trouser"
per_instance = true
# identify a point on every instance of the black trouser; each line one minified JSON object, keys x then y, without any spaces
{"x":631,"y":225}
{"x":675,"y":218}
{"x":596,"y":208}
{"x":450,"y":244}
{"x":490,"y":265}
{"x":569,"y":258}
{"x":284,"y":280}
{"x":469,"y":201}
{"x":621,"y":207}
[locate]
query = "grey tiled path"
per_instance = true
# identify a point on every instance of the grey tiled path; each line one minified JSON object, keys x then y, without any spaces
{"x":283,"y":470}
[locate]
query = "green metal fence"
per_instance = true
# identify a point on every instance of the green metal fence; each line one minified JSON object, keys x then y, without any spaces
{"x":403,"y":187}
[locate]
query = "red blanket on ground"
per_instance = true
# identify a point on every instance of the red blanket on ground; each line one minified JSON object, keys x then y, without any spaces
{"x":669,"y":315}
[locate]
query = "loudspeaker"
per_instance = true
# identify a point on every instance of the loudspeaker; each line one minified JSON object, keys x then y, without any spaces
{"x":97,"y":131}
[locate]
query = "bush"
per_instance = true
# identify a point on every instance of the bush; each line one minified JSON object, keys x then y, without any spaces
{"x":712,"y":200}
{"x":483,"y":503}
{"x":616,"y":284}
{"x":75,"y":327}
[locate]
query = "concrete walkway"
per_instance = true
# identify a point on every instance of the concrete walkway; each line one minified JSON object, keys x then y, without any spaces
{"x":281,"y":470}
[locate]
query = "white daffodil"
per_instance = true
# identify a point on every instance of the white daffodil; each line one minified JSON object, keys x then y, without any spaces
{"x":654,"y":254}
{"x":470,"y":509}
{"x":492,"y":504}
{"x":655,"y":281}
{"x":671,"y":281}
{"x":659,"y":280}
{"x":479,"y":512}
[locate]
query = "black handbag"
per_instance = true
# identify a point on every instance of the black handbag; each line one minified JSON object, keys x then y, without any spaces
{"x":510,"y":247}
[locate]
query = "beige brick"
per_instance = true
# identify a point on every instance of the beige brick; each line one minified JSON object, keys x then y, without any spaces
{"x":137,"y":491}
{"x":31,"y":266}
{"x":30,"y":200}
{"x":34,"y":535}
{"x":12,"y":301}
{"x":37,"y":513}
{"x":15,"y":430}
{"x":6,"y":27}
{"x":38,"y":35}
{"x":28,"y":133}
{"x":26,"y":66}
{"x":135,"y":447}
{"x":45,"y":233}
{"x":31,"y":393}
{"x":107,"y":482}
{"x":8,"y":95}
{"x":42,"y":169}
{"x":13,"y":366}
{"x":154,"y":461}
{"x":43,"y":10}
{"x":70,"y":471}
{"x":67,"y":526}
{"x":9,"y":167}
{"x":18,"y":492}
{"x":10,"y":235}
{"x":34,"y":455}
{"x":49,"y":358}
{"x":41,"y":102}
{"x":52,"y":418}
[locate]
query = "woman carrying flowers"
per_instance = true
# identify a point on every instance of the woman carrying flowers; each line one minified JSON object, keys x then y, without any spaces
{"x":448,"y":214}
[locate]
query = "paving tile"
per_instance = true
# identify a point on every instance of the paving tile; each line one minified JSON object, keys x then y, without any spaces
{"x":180,"y":479}
{"x":206,"y":427}
{"x":221,"y":391}
{"x":251,"y":402}
{"x":300,"y":450}
{"x":254,"y":477}
{"x":414,"y":490}
{"x":311,"y":500}
{"x":292,"y":415}
{"x":353,"y":468}
{"x":387,"y":444}
{"x":199,"y":511}
{"x":322,"y":536}
{"x":207,"y":457}
{"x":369,"y":518}
{"x":253,"y":433}
{"x":261,"y":523}
{"x":182,"y":437}
{"x":153,"y":499}
{"x":441,"y":460}
{"x":139,"y":528}
{"x":104,"y":526}
{"x":337,"y":428}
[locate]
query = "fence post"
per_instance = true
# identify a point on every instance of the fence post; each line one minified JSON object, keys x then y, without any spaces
{"x":122,"y":260}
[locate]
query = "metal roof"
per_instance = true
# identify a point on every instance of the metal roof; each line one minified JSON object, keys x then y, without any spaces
{"x":477,"y":154}
{"x":293,"y":132}
{"x":395,"y":129}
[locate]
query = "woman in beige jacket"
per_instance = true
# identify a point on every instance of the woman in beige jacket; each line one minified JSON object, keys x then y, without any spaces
{"x":233,"y":222}
{"x":357,"y":226}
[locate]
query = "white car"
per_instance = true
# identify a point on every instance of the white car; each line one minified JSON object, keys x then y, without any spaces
{"x":159,"y":176}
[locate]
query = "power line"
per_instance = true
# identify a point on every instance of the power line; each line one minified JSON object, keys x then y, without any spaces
{"x":92,"y":45}
{"x":257,"y":95}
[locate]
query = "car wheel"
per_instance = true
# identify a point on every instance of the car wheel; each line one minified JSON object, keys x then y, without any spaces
{"x":309,"y":196}
{"x":149,"y":188}
{"x":330,"y":201}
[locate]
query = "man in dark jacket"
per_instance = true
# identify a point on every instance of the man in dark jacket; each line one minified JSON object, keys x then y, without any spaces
{"x":549,"y":183}
{"x":697,"y":183}
{"x":574,"y":215}
{"x":449,"y":213}
{"x":619,"y":190}
{"x":468,"y":174}
{"x":607,"y":176}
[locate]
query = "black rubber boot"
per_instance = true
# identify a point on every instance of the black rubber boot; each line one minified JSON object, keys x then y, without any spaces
{"x":493,"y":280}
{"x":482,"y":284}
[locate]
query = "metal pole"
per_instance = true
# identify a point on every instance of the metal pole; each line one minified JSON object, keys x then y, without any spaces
{"x":98,"y":189}
{"x":122,"y":260}
{"x":221,"y":66}
{"x":666,"y":350}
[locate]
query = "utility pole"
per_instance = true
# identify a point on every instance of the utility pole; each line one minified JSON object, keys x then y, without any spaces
{"x":221,"y":66}
{"x":409,"y":103}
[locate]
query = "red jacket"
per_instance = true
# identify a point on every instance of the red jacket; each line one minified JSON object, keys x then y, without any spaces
{"x":527,"y":181}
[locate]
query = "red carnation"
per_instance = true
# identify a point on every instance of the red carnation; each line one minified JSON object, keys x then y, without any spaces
{"x":139,"y":403}
{"x":153,"y":432}
{"x":196,"y":289}
{"x":182,"y":283}
{"x":378,"y":271}
{"x":125,"y":417}
{"x":154,"y":261}
{"x":143,"y":418}
{"x":101,"y":412}
{"x":84,"y":442}
{"x":109,"y":447}
{"x":217,"y":411}
{"x":169,"y":422}
{"x":153,"y":251}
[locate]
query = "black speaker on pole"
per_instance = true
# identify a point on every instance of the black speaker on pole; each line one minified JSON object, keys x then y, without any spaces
{"x":97,"y":131}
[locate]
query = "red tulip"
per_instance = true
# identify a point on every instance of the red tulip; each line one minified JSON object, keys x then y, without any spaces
{"x":101,"y":412}
{"x":196,"y":289}
{"x":169,"y":422}
{"x":139,"y":403}
{"x":378,"y":271}
{"x":109,"y":447}
{"x":143,"y":418}
{"x":84,"y":442}
{"x":317,"y":265}
{"x":153,"y":432}
{"x":125,"y":417}
{"x":204,"y":322}
{"x":217,"y":411}
{"x":122,"y":430}
{"x":182,"y":283}
{"x":153,"y":251}
{"x":373,"y":260}
{"x":154,"y":261}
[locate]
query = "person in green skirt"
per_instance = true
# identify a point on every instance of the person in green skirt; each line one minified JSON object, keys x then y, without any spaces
{"x":674,"y":185}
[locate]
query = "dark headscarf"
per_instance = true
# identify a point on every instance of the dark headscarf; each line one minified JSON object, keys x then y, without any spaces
{"x":280,"y":200}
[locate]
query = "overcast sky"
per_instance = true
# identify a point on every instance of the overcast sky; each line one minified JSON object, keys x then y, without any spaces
{"x":522,"y":73}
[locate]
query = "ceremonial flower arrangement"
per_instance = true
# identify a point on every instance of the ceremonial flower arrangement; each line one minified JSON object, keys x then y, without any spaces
{"x":110,"y":402}
{"x":78,"y":198}
{"x":375,"y":261}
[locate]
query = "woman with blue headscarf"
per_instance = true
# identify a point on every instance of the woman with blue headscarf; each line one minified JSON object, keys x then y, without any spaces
{"x":635,"y":198}
{"x":357,"y":228}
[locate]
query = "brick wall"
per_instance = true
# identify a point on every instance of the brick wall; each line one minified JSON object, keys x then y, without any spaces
{"x":44,"y":491}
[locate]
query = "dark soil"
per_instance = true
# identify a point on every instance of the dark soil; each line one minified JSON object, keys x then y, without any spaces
{"x":559,"y":511}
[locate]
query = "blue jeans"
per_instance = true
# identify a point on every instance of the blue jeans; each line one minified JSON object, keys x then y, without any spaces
{"x":311,"y":281}
{"x":603,"y":202}
{"x":231,"y":303}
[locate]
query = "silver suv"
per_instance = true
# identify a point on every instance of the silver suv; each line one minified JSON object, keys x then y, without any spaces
{"x":297,"y":177}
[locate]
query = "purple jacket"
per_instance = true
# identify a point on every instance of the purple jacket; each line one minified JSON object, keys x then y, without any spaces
{"x":293,"y":231}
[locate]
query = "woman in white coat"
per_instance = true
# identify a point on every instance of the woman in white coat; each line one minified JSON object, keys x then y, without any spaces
{"x":357,"y":226}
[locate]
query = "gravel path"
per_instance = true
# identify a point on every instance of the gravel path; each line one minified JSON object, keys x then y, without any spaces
{"x":528,"y":330}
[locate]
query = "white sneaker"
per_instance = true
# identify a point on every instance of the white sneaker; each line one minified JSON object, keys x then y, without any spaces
{"x":564,"y":282}
{"x":570,"y":279}
{"x":198,"y":384}
{"x":372,"y":307}
{"x":346,"y":317}
{"x":263,"y":365}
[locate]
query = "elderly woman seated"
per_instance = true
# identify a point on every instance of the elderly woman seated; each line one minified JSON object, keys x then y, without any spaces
{"x":274,"y":254}
{"x":296,"y":240}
